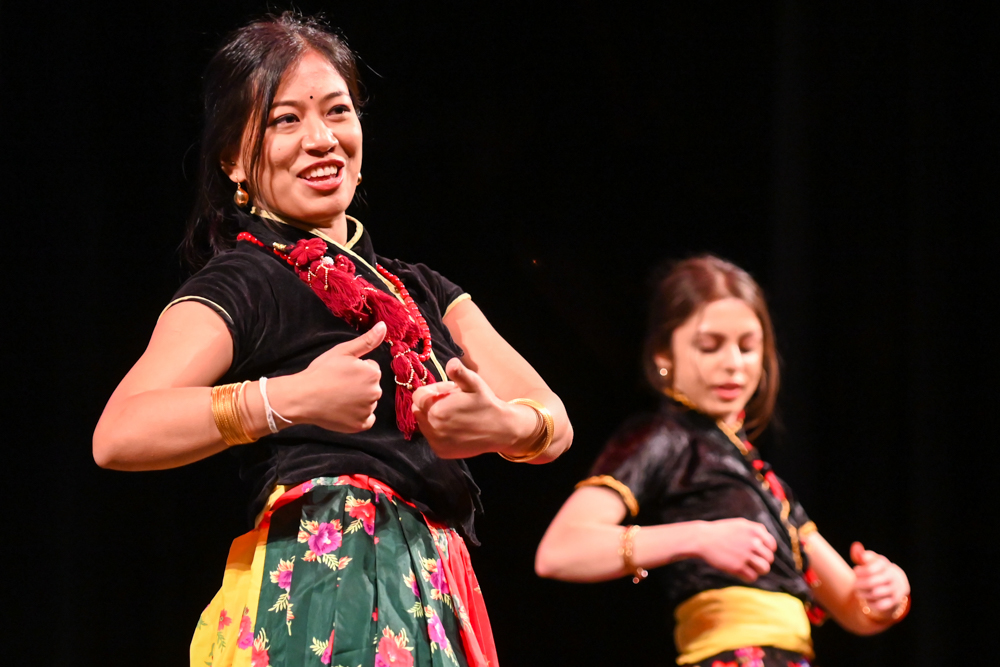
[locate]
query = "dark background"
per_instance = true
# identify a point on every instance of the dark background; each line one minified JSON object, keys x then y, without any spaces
{"x":546,"y":161}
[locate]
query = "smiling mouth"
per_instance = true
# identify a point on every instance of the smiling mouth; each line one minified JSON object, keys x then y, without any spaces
{"x":321,"y":172}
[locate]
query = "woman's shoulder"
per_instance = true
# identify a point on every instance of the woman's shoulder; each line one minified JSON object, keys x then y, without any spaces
{"x":648,"y":435}
{"x":425,"y":280}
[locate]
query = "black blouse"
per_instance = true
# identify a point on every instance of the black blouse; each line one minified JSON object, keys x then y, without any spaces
{"x":680,"y":466}
{"x":279,"y":326}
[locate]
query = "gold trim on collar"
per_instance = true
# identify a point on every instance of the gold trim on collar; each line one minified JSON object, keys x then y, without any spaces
{"x":359,"y":229}
{"x":347,"y":248}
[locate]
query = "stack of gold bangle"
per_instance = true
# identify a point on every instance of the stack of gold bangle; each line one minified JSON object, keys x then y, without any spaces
{"x":545,"y":428}
{"x":228,"y":416}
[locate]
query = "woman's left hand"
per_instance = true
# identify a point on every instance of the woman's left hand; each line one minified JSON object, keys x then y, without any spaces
{"x":879,"y":583}
{"x":464,"y":418}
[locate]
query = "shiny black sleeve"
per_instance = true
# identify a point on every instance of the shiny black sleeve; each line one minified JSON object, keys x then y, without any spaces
{"x":638,"y":463}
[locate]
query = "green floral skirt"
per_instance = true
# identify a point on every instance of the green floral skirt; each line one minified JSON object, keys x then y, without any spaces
{"x":343,"y":572}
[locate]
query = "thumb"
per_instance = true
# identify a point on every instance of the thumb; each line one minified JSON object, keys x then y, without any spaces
{"x":858,"y":553}
{"x":464,"y":378}
{"x":364,"y":343}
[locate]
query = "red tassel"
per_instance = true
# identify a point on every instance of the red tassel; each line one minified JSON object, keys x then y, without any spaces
{"x":354,"y":300}
{"x":405,"y":420}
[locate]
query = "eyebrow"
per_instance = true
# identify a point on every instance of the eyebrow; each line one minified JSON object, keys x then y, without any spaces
{"x":295,"y":103}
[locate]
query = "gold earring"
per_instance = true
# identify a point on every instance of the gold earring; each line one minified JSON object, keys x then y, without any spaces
{"x":359,"y":178}
{"x":664,"y":372}
{"x":240,"y":196}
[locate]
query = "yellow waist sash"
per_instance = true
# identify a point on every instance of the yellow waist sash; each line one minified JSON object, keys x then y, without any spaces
{"x":726,"y":619}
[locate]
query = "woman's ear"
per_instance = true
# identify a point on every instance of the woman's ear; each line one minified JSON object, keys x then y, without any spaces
{"x":663,"y":361}
{"x":232,"y":164}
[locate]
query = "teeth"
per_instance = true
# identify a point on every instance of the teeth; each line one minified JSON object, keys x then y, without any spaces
{"x":319,"y":172}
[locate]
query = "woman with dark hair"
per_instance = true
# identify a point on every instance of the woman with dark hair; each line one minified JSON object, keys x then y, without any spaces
{"x":744,"y":569}
{"x":350,"y":386}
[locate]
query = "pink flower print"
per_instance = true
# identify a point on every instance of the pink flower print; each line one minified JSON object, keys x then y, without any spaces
{"x":224,"y":619}
{"x":391,"y":654}
{"x":283,"y":575}
{"x":751,"y":656}
{"x":307,"y":486}
{"x":246,"y":632}
{"x":438,"y":580}
{"x":259,"y":657}
{"x":326,"y":539}
{"x":436,"y":630}
{"x":365,"y":511}
{"x":328,"y":651}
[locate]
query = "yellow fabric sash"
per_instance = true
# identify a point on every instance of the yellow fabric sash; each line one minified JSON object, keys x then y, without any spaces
{"x":726,"y":619}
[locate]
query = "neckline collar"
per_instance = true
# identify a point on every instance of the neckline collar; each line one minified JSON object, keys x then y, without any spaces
{"x":359,"y":229}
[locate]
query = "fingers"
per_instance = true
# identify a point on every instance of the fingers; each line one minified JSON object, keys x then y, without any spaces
{"x":768,"y":539}
{"x":859,"y":554}
{"x":464,"y":378}
{"x":761,"y":550}
{"x":364,"y":343}
{"x":425,"y":397}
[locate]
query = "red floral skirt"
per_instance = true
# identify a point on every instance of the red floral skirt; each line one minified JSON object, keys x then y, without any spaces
{"x":343,"y":572}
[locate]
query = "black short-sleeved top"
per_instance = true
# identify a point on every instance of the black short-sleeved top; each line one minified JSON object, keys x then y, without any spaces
{"x":279,"y":325}
{"x":679,"y":466}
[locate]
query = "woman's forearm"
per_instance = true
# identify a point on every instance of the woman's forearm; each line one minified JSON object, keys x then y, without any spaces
{"x":526,"y":433}
{"x":589,"y":552}
{"x":167,"y":428}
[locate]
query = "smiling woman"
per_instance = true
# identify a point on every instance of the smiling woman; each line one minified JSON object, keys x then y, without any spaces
{"x":349,"y":385}
{"x":744,"y":568}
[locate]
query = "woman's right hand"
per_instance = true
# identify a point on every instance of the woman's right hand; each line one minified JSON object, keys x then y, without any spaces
{"x":738,"y":546}
{"x":338,"y":391}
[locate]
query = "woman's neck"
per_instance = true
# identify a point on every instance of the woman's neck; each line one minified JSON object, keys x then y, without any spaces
{"x":334,"y":230}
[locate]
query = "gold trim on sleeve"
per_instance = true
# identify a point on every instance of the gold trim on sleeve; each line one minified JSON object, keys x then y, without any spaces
{"x":458,"y":299}
{"x":607,"y":480}
{"x":202,"y":300}
{"x":807,"y":529}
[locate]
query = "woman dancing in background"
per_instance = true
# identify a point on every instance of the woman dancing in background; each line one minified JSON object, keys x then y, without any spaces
{"x":741,"y":562}
{"x":325,"y":368}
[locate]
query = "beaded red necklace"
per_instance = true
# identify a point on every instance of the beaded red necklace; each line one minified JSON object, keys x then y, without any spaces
{"x":352,"y":298}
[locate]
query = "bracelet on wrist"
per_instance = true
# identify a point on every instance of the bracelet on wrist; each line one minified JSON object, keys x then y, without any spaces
{"x":898,"y":613}
{"x":228,"y":414}
{"x":269,"y":412}
{"x":544,"y":426}
{"x":625,"y":550}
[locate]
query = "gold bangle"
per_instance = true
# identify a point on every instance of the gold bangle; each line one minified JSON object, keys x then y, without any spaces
{"x":547,"y":430}
{"x":625,"y":551}
{"x":227,"y":414}
{"x":897,"y":615}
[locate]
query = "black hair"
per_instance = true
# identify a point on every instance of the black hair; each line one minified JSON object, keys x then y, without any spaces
{"x":239,"y":87}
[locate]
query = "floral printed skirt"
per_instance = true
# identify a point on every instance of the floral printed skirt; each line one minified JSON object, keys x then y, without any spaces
{"x":343,"y":572}
{"x":757,"y":656}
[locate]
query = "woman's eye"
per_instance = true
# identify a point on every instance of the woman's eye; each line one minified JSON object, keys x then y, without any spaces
{"x":283,"y":120}
{"x":339,"y":109}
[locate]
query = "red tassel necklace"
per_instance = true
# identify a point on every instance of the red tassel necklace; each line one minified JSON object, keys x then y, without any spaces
{"x":352,"y":298}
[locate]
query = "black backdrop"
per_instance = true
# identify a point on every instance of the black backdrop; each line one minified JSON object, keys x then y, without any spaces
{"x":546,"y":161}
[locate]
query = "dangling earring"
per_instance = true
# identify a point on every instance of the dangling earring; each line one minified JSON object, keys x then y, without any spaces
{"x":359,"y":178}
{"x":664,"y":372}
{"x":240,"y":196}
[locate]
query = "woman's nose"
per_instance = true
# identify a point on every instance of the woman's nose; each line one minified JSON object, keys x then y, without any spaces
{"x":733,"y":357}
{"x":319,"y":138}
